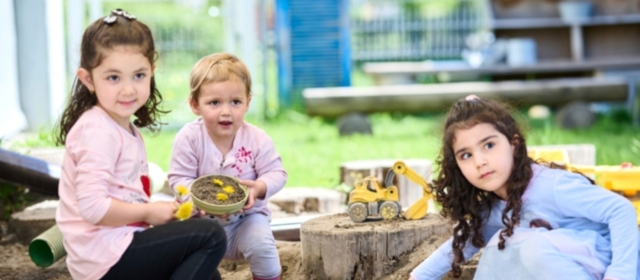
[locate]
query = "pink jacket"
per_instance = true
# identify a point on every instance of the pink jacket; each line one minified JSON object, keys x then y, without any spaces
{"x":252,"y":157}
{"x":102,"y":162}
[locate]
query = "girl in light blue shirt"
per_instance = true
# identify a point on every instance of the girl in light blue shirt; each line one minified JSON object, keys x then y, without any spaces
{"x":533,"y":222}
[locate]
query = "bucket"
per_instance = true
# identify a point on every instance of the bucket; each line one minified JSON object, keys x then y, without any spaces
{"x":572,"y":11}
{"x":215,"y":209}
{"x":47,"y":247}
{"x":521,"y":51}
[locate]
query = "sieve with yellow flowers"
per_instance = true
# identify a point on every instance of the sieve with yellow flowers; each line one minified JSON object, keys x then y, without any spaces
{"x":218,"y":194}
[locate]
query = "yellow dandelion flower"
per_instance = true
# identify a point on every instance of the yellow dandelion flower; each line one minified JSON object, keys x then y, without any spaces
{"x":228,"y":189}
{"x":184,"y":211}
{"x":217,"y":182}
{"x":222,"y":197}
{"x":182,"y":190}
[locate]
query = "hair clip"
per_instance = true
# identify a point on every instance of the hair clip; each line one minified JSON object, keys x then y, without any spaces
{"x":124,"y":14}
{"x":111,"y":19}
{"x":471,"y":97}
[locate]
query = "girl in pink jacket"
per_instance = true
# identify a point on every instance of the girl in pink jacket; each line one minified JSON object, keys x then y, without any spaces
{"x":110,"y":229}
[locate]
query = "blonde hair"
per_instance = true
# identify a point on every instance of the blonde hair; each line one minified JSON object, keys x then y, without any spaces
{"x":216,"y":68}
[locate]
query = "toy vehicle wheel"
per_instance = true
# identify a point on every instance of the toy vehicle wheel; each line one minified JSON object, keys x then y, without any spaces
{"x":389,"y":210}
{"x":358,"y":212}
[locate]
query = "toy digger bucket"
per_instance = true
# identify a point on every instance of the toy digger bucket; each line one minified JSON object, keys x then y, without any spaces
{"x":47,"y":248}
{"x":418,"y":210}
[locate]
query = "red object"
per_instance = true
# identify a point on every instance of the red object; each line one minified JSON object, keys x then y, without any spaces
{"x":626,"y":165}
{"x":139,"y":224}
{"x":146,"y":184}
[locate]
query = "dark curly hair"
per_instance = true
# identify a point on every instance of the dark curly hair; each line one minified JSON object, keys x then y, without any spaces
{"x":467,"y":206}
{"x":99,"y":38}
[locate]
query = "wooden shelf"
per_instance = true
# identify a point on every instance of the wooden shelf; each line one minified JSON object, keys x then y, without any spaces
{"x":556,"y":66}
{"x":536,"y":23}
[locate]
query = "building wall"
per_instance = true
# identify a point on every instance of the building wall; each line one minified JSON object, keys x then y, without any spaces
{"x":13,"y":119}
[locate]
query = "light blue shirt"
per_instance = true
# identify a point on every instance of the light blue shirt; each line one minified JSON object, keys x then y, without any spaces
{"x":566,"y":200}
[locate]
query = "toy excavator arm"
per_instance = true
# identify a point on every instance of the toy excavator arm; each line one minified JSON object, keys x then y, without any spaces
{"x":419,"y":209}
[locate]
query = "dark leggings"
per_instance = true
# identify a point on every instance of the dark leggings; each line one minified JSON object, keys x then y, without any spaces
{"x":190,"y":249}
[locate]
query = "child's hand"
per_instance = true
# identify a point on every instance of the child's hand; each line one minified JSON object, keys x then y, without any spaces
{"x":159,"y":213}
{"x":257,"y":190}
{"x":250,"y":200}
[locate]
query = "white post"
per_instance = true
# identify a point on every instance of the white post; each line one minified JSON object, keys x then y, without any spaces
{"x":228,"y":15}
{"x":241,"y":38}
{"x":56,"y":54}
{"x":75,"y":29}
{"x":95,"y":10}
{"x":13,"y":119}
{"x":577,"y":48}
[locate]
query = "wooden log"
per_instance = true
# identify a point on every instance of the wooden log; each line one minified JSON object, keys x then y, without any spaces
{"x":334,"y":247}
{"x":295,"y":200}
{"x":550,"y":66}
{"x":28,"y":224}
{"x":36,"y":174}
{"x":338,"y":101}
{"x":409,"y":191}
{"x":353,"y":171}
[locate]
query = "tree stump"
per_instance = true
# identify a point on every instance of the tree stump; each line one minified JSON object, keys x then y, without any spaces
{"x":576,"y":114}
{"x":354,"y":123}
{"x":27,"y":225}
{"x":409,"y":191}
{"x":334,"y":247}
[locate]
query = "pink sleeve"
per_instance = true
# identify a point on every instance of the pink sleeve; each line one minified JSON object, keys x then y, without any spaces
{"x":183,"y":166}
{"x":96,"y":152}
{"x":269,"y":166}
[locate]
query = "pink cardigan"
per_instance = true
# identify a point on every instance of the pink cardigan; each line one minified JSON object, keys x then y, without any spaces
{"x":252,"y":157}
{"x":102,"y":162}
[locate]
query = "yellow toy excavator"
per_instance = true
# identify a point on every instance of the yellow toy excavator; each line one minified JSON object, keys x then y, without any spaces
{"x":370,"y":201}
{"x":623,"y":178}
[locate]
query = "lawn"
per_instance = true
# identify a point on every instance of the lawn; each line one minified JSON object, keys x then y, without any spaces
{"x":312,"y":150}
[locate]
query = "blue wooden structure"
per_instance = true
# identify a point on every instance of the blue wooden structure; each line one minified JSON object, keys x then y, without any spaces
{"x":313,"y":46}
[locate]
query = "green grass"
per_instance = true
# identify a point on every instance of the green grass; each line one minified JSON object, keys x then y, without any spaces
{"x":312,"y":151}
{"x":615,"y":139}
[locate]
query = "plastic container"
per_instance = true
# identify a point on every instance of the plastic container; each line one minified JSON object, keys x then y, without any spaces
{"x":215,"y":209}
{"x":47,"y":247}
{"x":572,"y":11}
{"x":521,"y":51}
{"x":559,"y":156}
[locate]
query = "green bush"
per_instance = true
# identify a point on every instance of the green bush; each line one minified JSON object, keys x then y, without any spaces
{"x":12,"y":199}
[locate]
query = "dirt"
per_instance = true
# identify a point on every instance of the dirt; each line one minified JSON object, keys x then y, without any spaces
{"x":16,"y":264}
{"x":206,"y":190}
